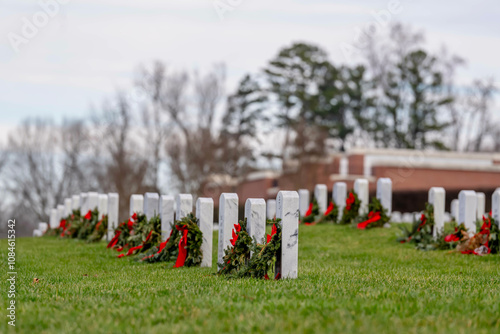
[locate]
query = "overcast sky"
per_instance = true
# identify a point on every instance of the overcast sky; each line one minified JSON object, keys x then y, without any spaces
{"x":90,"y":48}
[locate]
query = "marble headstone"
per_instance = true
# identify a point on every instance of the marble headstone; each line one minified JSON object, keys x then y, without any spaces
{"x":454,"y":209}
{"x":68,"y":202}
{"x":287,"y":209}
{"x":228,"y":217}
{"x":54,"y":223}
{"x":481,"y":205}
{"x":75,"y":205}
{"x":303,"y":201}
{"x":151,"y":205}
{"x":255,"y":213}
{"x":384,"y":193}
{"x":136,"y":204}
{"x":467,"y":209}
{"x":321,"y":196}
{"x":184,"y":205}
{"x":361,"y":188}
{"x":103,"y":205}
{"x":437,"y":197}
{"x":205,"y":215}
{"x":339,"y":197}
{"x":271,"y":209}
{"x":113,"y":209}
{"x":495,"y":206}
{"x":166,"y":215}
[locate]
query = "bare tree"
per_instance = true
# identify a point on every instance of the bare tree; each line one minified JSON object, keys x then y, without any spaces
{"x":151,"y":82}
{"x":119,"y":163}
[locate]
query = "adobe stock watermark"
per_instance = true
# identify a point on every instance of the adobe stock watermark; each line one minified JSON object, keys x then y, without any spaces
{"x":31,"y":26}
{"x":11,"y":272}
{"x":381,"y":19}
{"x":224,"y":6}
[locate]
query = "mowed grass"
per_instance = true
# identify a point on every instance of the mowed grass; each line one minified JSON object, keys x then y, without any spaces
{"x":349,"y":281}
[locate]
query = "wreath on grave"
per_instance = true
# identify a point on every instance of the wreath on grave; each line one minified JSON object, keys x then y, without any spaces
{"x":100,"y":230}
{"x":376,"y":217}
{"x":89,"y":222}
{"x":182,"y":246}
{"x":486,"y":241}
{"x":421,"y":231}
{"x":72,"y":225}
{"x":313,"y":216}
{"x":351,"y":210}
{"x":122,"y":233}
{"x":237,"y":261}
{"x":143,"y":234}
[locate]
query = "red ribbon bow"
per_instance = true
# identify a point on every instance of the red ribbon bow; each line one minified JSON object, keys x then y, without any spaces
{"x":237,"y":227}
{"x":372,"y":218}
{"x":329,"y":209}
{"x":88,"y":216}
{"x":274,"y":230}
{"x":350,"y":201}
{"x":181,"y":258}
{"x":113,"y":241}
{"x":131,"y":221}
{"x":309,"y":210}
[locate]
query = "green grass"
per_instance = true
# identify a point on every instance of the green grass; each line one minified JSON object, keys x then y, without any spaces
{"x":349,"y":281}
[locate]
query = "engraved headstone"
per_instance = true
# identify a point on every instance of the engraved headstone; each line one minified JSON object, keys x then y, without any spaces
{"x":481,"y":205}
{"x":454,"y":209}
{"x":287,"y":209}
{"x":339,"y":197}
{"x":113,"y":208}
{"x":271,"y":209}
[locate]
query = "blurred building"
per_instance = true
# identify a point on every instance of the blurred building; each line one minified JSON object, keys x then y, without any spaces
{"x":412,"y":172}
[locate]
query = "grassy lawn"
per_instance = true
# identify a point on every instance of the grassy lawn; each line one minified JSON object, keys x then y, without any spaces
{"x":349,"y":281}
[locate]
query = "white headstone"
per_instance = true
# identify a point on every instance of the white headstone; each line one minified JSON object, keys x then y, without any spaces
{"x":113,"y":209}
{"x":255,"y":213}
{"x":37,"y":233}
{"x":75,"y":205}
{"x":437,"y":197}
{"x":407,"y":217}
{"x":67,"y":206}
{"x":60,"y":212}
{"x":321,"y":196}
{"x":454,"y":209}
{"x":54,"y":223}
{"x":481,"y":205}
{"x":304,"y":201}
{"x":92,"y":201}
{"x":205,"y":215}
{"x":384,"y":193}
{"x":339,"y":196}
{"x":43,"y":227}
{"x":361,"y":188}
{"x":495,"y":206}
{"x":184,"y":205}
{"x":166,"y":208}
{"x":83,"y":203}
{"x":287,"y":209}
{"x":228,"y":217}
{"x":103,"y":205}
{"x":271,"y":209}
{"x":467,"y":209}
{"x":151,"y":205}
{"x":396,"y":217}
{"x":447,"y":217}
{"x":136,"y":204}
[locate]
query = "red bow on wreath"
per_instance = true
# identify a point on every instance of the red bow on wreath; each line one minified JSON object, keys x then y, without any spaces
{"x":131,"y":221}
{"x":350,"y":201}
{"x":372,"y":218}
{"x":237,"y":227}
{"x":181,"y":258}
{"x":309,"y":210}
{"x":113,"y":241}
{"x":274,"y":230}
{"x":88,"y":216}
{"x":329,"y":209}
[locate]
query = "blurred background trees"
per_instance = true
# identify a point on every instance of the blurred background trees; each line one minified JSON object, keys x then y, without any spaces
{"x":181,"y":129}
